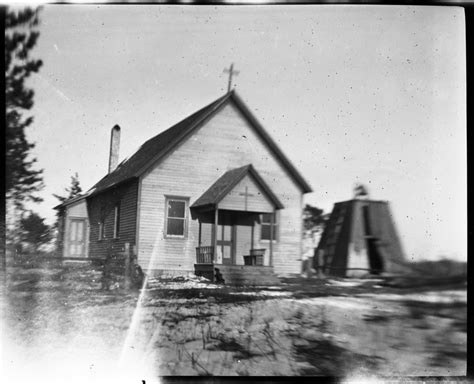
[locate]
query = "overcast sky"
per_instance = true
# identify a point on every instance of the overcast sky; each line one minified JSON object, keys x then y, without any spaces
{"x":371,"y":94}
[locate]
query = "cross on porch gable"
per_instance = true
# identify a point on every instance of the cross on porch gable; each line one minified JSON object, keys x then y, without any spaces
{"x":247,"y":195}
{"x":231,"y":72}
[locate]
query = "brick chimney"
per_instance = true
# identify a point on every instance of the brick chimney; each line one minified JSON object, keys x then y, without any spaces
{"x":114,"y":148}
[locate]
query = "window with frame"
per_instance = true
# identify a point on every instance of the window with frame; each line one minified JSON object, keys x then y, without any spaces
{"x":265,"y":226}
{"x":116,"y":221}
{"x":176,"y":217}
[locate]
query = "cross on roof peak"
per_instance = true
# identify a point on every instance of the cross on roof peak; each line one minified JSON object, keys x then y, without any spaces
{"x":231,"y":72}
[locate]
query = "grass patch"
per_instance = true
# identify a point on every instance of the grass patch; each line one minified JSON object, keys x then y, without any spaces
{"x":420,"y":309}
{"x":444,"y":358}
{"x":374,"y":318}
{"x":328,"y":359}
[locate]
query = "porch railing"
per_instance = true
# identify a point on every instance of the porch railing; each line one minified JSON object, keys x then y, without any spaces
{"x":205,"y":255}
{"x":255,"y":257}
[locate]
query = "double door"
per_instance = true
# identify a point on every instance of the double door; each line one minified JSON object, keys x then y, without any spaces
{"x":77,"y":238}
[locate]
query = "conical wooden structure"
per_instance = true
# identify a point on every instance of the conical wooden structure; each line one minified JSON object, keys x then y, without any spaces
{"x":360,"y":238}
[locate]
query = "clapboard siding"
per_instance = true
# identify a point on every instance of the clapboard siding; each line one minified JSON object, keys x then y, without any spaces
{"x":78,"y":209}
{"x":101,"y":207}
{"x":225,"y":142}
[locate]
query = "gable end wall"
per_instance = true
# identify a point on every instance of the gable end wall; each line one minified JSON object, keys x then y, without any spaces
{"x":225,"y":142}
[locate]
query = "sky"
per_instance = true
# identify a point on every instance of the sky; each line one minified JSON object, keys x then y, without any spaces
{"x":370,"y":94}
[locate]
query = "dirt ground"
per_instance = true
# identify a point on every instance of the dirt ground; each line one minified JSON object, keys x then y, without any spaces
{"x":57,"y":321}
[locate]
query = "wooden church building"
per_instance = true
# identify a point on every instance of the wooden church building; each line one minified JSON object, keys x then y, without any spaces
{"x":360,"y":238}
{"x":214,"y":189}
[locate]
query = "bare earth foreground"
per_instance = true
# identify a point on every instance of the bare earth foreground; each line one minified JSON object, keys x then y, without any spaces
{"x":57,"y":323}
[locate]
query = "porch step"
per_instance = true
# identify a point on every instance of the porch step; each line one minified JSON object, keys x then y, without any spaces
{"x":252,"y":281}
{"x":248,"y":275}
{"x":239,"y":274}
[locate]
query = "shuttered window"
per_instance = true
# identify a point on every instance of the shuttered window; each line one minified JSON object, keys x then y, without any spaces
{"x":176,"y":217}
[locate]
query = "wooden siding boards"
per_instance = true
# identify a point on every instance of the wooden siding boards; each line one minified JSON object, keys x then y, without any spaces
{"x":224,"y":142}
{"x":78,"y":209}
{"x":101,"y":207}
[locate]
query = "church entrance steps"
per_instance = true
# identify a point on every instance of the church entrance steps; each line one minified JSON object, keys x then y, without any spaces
{"x":239,"y":274}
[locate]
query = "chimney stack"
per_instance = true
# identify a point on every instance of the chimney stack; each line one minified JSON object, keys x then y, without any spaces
{"x":114,"y":148}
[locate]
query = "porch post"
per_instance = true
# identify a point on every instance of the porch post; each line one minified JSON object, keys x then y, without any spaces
{"x":252,"y":238}
{"x":271,"y":237}
{"x":214,"y":233}
{"x":200,"y":224}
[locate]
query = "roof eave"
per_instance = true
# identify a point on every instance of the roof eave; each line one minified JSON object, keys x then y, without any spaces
{"x":248,"y":169}
{"x":206,"y":206}
{"x":109,"y":187}
{"x":173,"y":144}
{"x":71,"y":201}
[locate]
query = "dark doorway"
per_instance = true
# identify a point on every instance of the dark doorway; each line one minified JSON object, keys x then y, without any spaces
{"x":375,"y":258}
{"x":373,"y":252}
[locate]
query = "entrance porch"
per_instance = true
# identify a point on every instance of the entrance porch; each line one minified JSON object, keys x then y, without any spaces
{"x":233,"y":252}
{"x":227,"y":213}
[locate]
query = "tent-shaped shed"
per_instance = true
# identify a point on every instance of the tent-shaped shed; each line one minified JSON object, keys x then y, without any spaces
{"x":360,"y":237}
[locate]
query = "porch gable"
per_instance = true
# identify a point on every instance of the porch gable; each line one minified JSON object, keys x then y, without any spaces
{"x":247,"y":196}
{"x":241,"y":189}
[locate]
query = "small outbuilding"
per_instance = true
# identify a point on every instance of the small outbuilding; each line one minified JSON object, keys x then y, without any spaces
{"x":360,"y":237}
{"x":73,"y":228}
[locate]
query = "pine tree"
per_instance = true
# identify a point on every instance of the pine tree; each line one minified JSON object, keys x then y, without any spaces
{"x":72,"y":191}
{"x":312,"y":217}
{"x":34,"y":232}
{"x":22,"y":179}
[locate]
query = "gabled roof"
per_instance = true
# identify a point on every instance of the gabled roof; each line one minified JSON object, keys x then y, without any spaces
{"x":157,"y":147}
{"x":72,"y":200}
{"x":228,"y":181}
